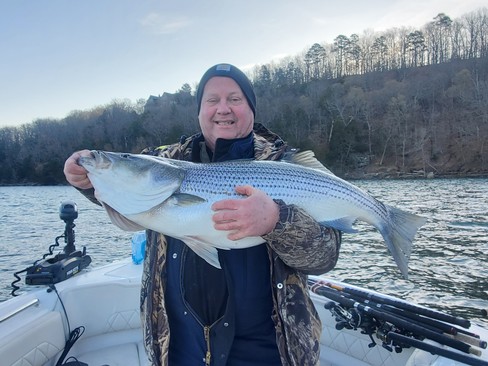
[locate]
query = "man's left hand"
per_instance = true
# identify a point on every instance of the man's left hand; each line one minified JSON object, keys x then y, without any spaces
{"x":254,"y":215}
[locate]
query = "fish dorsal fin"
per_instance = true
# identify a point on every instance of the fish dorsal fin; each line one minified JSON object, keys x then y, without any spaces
{"x":307,"y":159}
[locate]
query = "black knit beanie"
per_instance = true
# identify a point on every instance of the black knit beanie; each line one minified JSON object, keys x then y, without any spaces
{"x":234,"y":73}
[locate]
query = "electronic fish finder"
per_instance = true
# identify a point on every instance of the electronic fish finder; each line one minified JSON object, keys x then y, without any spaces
{"x":64,"y":264}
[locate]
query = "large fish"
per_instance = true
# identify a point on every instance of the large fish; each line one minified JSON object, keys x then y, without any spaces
{"x":174,"y":197}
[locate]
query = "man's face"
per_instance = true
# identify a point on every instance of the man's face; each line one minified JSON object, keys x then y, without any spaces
{"x":224,"y":112}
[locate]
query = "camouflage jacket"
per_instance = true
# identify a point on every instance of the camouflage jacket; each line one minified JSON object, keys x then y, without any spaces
{"x":297,"y":246}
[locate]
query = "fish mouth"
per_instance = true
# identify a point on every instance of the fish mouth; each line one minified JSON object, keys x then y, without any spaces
{"x":98,"y":159}
{"x":98,"y":156}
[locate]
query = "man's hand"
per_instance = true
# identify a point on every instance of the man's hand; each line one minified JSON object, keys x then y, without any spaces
{"x":255,"y":215}
{"x":75,"y":174}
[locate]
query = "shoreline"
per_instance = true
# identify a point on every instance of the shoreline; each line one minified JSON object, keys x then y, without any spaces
{"x":375,"y":176}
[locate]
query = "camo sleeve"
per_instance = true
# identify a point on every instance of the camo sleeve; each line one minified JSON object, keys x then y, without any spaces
{"x":88,"y":193}
{"x":302,"y":243}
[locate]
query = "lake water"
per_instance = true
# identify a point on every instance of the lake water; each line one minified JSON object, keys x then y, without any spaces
{"x":448,"y":266}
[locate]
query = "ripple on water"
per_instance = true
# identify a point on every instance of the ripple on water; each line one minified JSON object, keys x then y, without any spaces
{"x":447,"y":269}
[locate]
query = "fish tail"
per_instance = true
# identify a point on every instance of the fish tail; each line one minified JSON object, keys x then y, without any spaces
{"x":399,"y":235}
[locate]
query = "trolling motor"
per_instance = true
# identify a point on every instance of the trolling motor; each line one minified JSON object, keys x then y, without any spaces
{"x":64,"y":264}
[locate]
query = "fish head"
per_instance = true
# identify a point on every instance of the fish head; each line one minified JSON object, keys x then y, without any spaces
{"x":131,"y":183}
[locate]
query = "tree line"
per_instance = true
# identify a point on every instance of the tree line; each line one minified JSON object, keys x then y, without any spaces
{"x":401,"y":102}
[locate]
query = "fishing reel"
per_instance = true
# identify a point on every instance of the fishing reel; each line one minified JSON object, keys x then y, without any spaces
{"x":345,"y":318}
{"x":353,"y":319}
{"x":64,"y":264}
{"x":382,"y":333}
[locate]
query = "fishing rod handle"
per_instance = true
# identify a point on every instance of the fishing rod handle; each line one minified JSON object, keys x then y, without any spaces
{"x":410,"y":307}
{"x":470,"y":340}
{"x":365,"y":294}
{"x":436,"y":350}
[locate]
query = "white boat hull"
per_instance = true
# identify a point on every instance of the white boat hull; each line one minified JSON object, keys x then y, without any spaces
{"x":105,"y":301}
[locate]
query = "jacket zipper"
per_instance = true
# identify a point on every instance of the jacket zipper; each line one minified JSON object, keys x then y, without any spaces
{"x":208,"y":355}
{"x":206,"y":328}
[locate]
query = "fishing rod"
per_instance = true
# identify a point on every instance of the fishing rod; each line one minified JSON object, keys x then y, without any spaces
{"x":406,"y":325}
{"x":436,"y":350}
{"x":432,"y":324}
{"x":399,"y":304}
{"x":428,"y":315}
{"x":358,"y":315}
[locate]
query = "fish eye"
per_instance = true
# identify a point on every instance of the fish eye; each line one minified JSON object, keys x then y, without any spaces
{"x":125,"y":156}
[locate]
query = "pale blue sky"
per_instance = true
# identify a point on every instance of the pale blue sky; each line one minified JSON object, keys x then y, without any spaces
{"x":58,"y":55}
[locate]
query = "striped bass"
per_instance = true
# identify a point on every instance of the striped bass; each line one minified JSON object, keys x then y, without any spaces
{"x":174,"y":197}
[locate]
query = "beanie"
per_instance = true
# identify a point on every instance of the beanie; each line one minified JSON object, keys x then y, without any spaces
{"x":234,"y":73}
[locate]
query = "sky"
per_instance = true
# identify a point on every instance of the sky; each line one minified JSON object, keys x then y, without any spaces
{"x":59,"y":56}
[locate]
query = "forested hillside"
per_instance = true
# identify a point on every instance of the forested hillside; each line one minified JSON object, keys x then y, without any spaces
{"x":405,"y":102}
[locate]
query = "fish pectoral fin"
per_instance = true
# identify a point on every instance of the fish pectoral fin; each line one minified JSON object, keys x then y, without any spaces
{"x":185,"y":199}
{"x":343,"y":224}
{"x":203,"y":250}
{"x":121,"y":221}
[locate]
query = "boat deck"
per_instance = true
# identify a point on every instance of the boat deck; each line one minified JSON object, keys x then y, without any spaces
{"x":105,"y":302}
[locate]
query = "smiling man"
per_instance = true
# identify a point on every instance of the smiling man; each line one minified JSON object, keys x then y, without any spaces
{"x":256,"y":310}
{"x":226,"y":105}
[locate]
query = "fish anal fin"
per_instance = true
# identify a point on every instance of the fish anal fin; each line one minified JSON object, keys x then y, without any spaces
{"x":343,"y":224}
{"x":121,"y":221}
{"x":203,"y":250}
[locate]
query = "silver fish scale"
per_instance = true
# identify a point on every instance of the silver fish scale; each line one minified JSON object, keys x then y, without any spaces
{"x":292,"y":183}
{"x":221,"y":179}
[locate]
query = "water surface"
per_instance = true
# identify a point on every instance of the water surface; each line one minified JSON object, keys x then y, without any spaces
{"x":448,"y":266}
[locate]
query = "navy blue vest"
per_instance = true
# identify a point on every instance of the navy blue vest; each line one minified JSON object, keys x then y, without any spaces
{"x":244,"y":334}
{"x":232,"y":325}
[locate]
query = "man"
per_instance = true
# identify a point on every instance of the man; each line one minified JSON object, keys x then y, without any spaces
{"x":256,"y":309}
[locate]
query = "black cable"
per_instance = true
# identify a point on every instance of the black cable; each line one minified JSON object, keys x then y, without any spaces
{"x":51,"y":248}
{"x":53,"y":288}
{"x":73,"y":361}
{"x":14,"y":283}
{"x":72,"y":338}
{"x":14,"y":286}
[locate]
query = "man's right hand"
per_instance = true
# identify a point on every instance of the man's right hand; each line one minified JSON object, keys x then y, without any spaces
{"x":75,"y":174}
